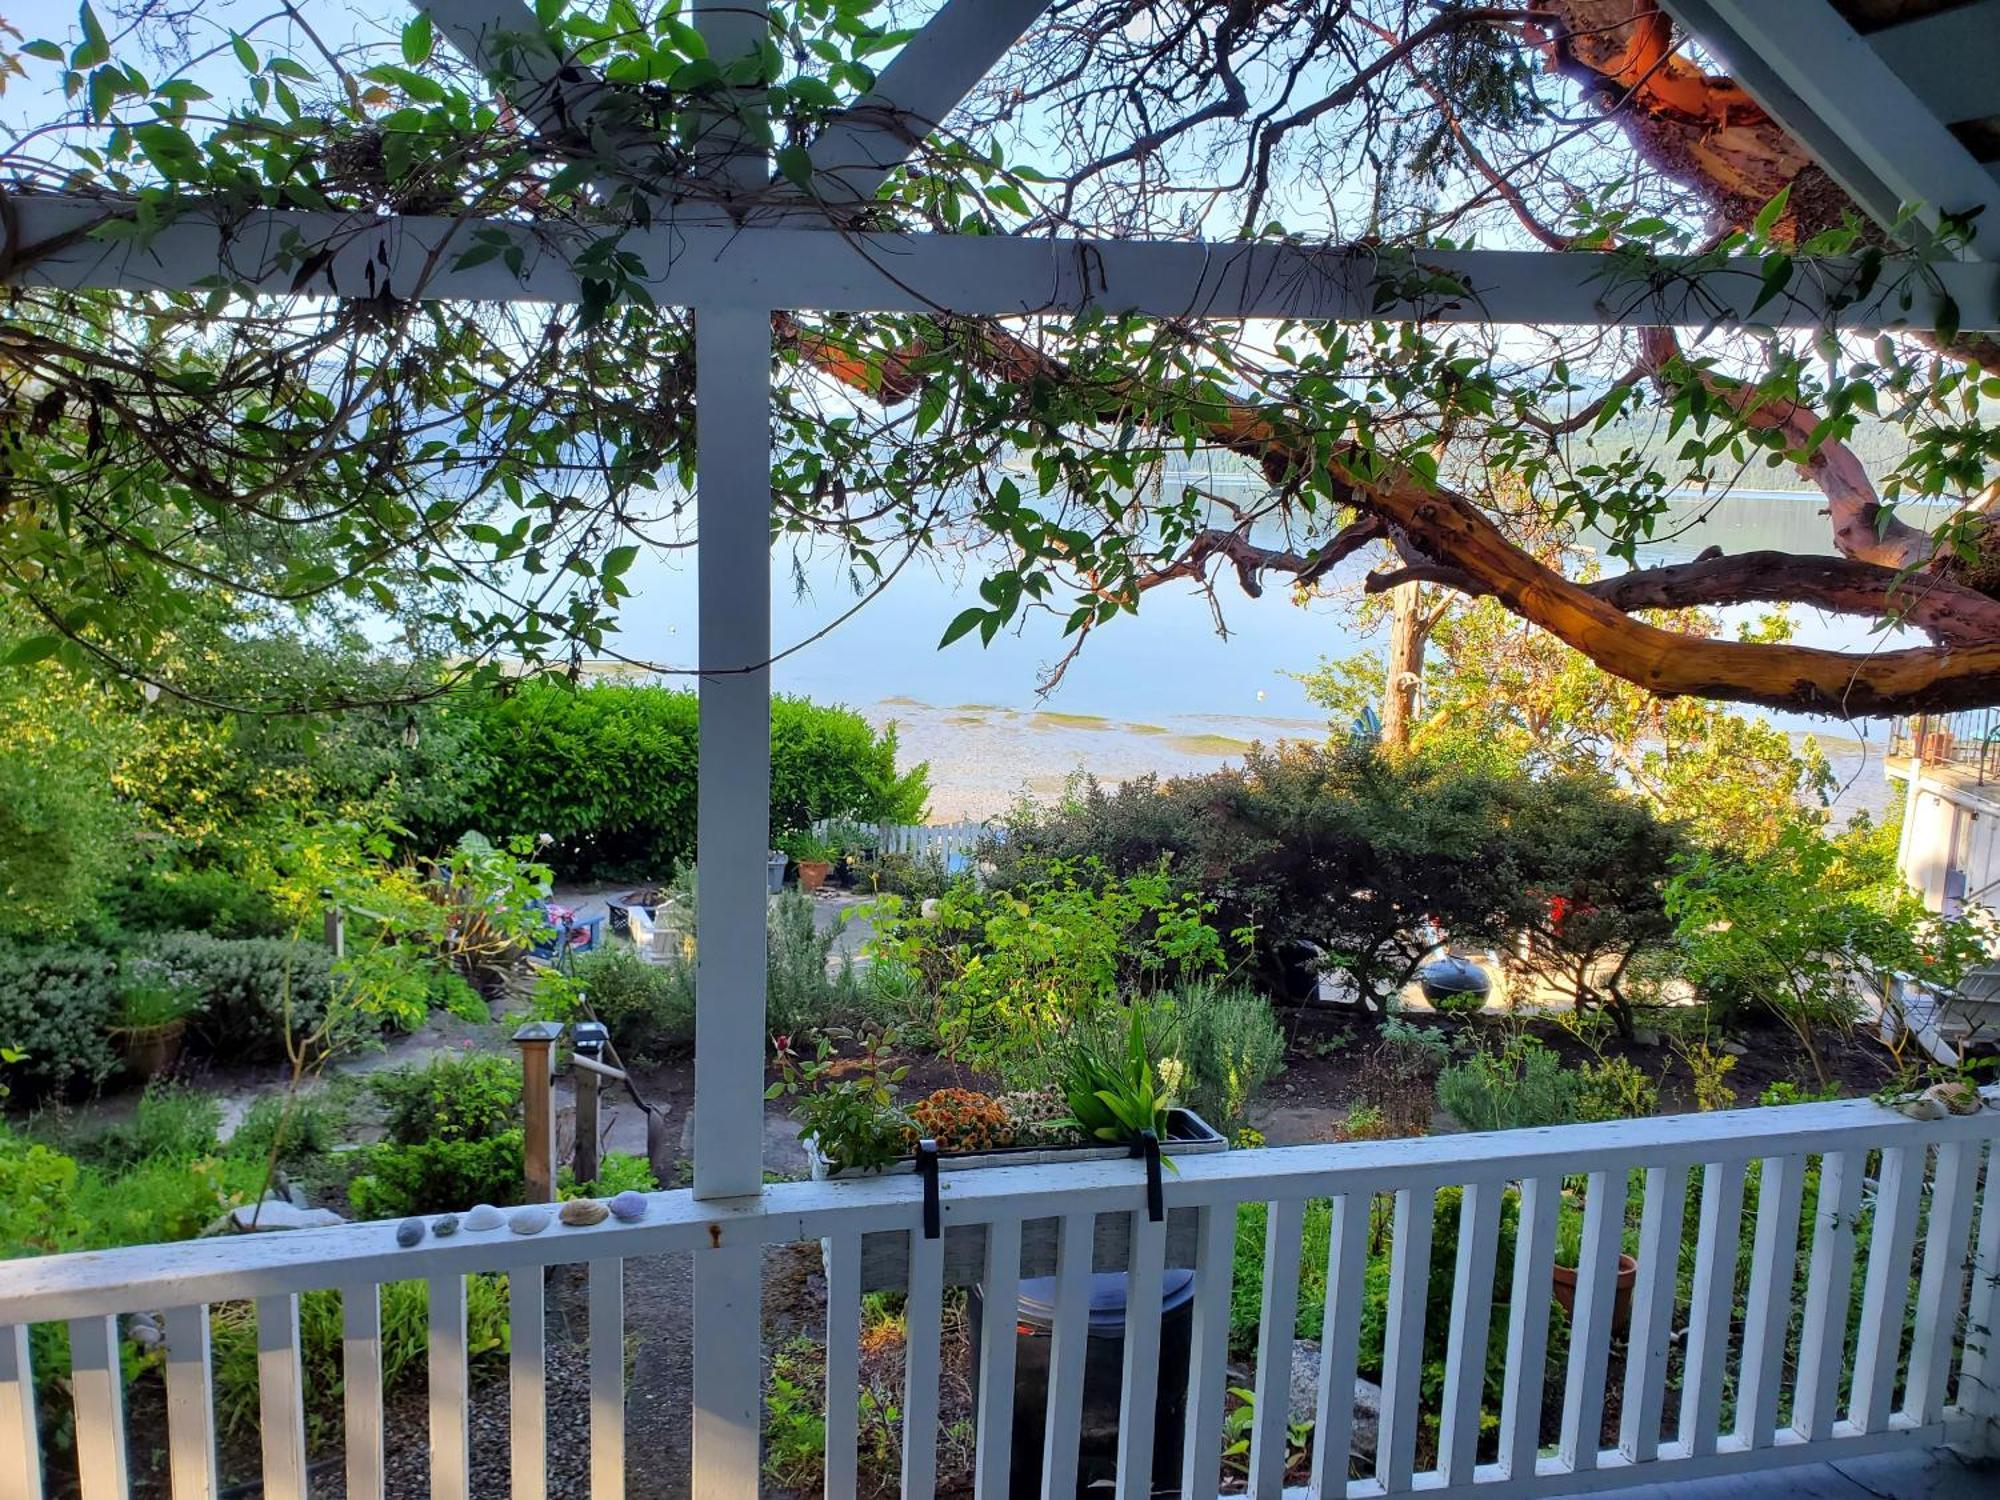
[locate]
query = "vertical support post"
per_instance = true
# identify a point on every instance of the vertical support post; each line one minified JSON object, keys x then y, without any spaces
{"x":537,"y":1042}
{"x":587,"y":1040}
{"x":336,"y":930}
{"x":733,"y":504}
{"x":733,"y":479}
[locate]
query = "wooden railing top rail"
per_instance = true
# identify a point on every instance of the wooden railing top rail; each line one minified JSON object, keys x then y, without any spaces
{"x":101,"y":1283}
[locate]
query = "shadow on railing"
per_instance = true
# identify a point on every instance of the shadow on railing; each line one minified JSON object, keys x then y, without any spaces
{"x":1743,"y":1289}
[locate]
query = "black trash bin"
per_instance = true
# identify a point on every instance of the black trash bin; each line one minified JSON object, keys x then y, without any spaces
{"x":1103,"y":1380}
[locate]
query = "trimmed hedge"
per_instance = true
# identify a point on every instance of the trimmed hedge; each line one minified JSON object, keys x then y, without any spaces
{"x":245,"y":984}
{"x":55,"y":1004}
{"x":608,"y":772}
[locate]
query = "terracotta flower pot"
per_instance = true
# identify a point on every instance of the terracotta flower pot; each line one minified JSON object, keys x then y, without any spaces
{"x":813,"y":873}
{"x":1621,"y":1301}
{"x":150,"y":1050}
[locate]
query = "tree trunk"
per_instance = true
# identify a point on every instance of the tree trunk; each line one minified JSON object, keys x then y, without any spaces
{"x":1405,"y":666}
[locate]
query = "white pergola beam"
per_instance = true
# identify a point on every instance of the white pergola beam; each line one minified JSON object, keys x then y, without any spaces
{"x":1837,"y":97}
{"x":296,"y":251}
{"x":504,"y":41}
{"x":1951,"y":59}
{"x":927,"y":80}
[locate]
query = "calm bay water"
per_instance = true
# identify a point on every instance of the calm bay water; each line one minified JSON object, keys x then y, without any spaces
{"x":1161,"y":691}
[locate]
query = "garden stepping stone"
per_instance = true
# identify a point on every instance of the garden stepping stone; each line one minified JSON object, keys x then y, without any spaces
{"x":409,"y":1232}
{"x":528,"y":1220}
{"x":483,"y":1218}
{"x":581,"y":1211}
{"x":445,"y":1227}
{"x":629,"y":1206}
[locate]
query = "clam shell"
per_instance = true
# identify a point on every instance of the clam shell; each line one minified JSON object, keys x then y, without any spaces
{"x":530,"y":1220}
{"x":581,"y":1211}
{"x":629,"y":1206}
{"x":484,"y":1217}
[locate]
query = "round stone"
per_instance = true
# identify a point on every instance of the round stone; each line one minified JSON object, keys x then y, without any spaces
{"x":581,"y":1211}
{"x":528,"y":1220}
{"x":409,"y":1232}
{"x":483,"y":1218}
{"x":629,"y":1206}
{"x":444,"y":1228}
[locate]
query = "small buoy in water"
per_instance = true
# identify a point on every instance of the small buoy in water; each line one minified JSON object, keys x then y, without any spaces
{"x":579,"y":1212}
{"x":409,"y":1232}
{"x":628,"y":1206}
{"x":528,"y":1220}
{"x":484,"y":1217}
{"x":444,"y":1228}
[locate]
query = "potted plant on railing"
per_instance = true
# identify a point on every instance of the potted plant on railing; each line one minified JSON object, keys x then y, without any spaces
{"x":153,"y":1013}
{"x":813,"y":855}
{"x":851,"y":1122}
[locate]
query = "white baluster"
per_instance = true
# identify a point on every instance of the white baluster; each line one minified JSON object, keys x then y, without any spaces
{"x":1528,"y":1327}
{"x":923,"y":1333}
{"x":281,"y":1409}
{"x":190,"y":1404}
{"x":97,"y":1388}
{"x":1471,"y":1323}
{"x":450,"y":1391}
{"x":1979,"y":1371}
{"x":843,"y":1363}
{"x":1709,"y":1305}
{"x":20,"y":1439}
{"x":361,"y":1389}
{"x":1403,"y":1339}
{"x":1941,"y":1289}
{"x":1828,"y":1286}
{"x":527,"y":1385}
{"x":1283,"y":1233}
{"x":1068,"y":1330}
{"x":1886,"y":1285}
{"x":1590,"y":1328}
{"x":1208,"y":1349}
{"x":1774,"y":1263}
{"x":1652,"y":1313}
{"x":1140,"y":1389}
{"x":1339,"y":1348}
{"x":607,"y":1379}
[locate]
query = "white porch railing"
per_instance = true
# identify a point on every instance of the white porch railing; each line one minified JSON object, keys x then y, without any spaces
{"x":923,"y":841}
{"x":1927,"y":1278}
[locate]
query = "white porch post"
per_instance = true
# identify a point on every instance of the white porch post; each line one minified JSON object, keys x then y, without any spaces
{"x":733,"y":822}
{"x":733,"y":509}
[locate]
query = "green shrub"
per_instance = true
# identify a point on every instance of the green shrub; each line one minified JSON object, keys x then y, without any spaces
{"x":617,"y":1172}
{"x":439,"y":1177}
{"x":249,"y":986}
{"x":55,"y":1004}
{"x":609,"y":773}
{"x":311,"y":1128}
{"x":1010,"y":970}
{"x":649,"y":1007}
{"x":405,"y":1311}
{"x":1228,"y":1045}
{"x":1521,"y":1084}
{"x":800,"y":993}
{"x":165,"y":897}
{"x":173,"y":1122}
{"x":461,"y":1098}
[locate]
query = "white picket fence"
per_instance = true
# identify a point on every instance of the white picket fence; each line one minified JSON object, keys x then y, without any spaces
{"x":939,"y":842}
{"x":1920,"y":1352}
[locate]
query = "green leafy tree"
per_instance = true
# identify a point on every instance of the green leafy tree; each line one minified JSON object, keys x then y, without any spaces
{"x":1795,"y":926}
{"x":1496,"y":686}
